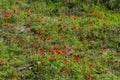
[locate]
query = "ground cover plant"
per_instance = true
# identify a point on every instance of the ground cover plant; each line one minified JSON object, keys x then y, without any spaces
{"x":59,"y":40}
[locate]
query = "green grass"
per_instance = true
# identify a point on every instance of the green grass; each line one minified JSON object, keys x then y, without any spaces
{"x":87,"y":44}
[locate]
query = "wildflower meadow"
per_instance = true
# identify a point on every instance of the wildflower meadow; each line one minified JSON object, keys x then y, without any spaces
{"x":59,"y":40}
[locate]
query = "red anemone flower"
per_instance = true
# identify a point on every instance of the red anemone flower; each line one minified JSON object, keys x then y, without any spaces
{"x":53,"y":57}
{"x":75,"y":17}
{"x":90,"y":64}
{"x":28,"y":13}
{"x":65,"y":71}
{"x":14,"y":11}
{"x":63,"y":51}
{"x":38,"y":70}
{"x":41,"y":49}
{"x":89,"y":75}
